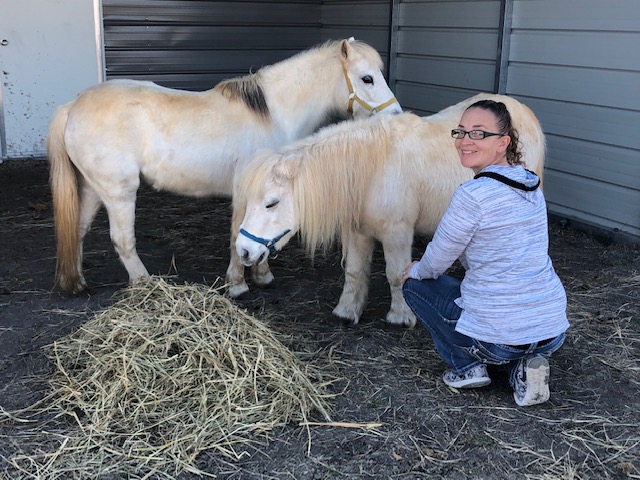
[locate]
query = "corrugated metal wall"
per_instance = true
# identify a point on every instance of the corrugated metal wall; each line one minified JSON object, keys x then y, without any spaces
{"x":366,"y":20}
{"x":195,"y":44}
{"x":574,"y":62}
{"x":446,"y":52}
{"x":579,"y":69}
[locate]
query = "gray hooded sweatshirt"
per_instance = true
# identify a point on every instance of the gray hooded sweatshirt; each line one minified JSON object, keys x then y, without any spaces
{"x":510,"y":293}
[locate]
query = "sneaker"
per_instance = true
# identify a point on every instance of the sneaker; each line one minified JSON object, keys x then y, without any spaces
{"x":531,"y":381}
{"x":473,"y":378}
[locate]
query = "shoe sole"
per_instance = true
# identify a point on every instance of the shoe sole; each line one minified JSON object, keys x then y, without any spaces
{"x":537,"y":383}
{"x":477,"y":383}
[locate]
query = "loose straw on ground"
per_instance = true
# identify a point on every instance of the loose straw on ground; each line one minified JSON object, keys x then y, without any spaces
{"x":164,"y":374}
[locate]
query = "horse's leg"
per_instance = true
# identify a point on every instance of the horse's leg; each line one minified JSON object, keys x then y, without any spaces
{"x":235,"y":273}
{"x":121,"y":210}
{"x":90,"y":203}
{"x":397,"y":254}
{"x":261,"y":275}
{"x":356,"y":281}
{"x":235,"y":270}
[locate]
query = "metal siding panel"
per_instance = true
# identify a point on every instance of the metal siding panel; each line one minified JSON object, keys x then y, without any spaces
{"x":168,"y":37}
{"x":185,"y":12}
{"x":603,"y":125}
{"x":593,"y":15}
{"x":609,"y":88}
{"x":443,"y":14}
{"x":427,"y":99}
{"x":356,"y":13}
{"x":479,"y":45}
{"x":578,"y":49}
{"x":579,"y":70}
{"x":601,"y":224}
{"x":193,"y":44}
{"x":469,"y":75}
{"x":606,"y":163}
{"x":445,"y":48}
{"x":227,"y":62}
{"x":367,"y":21}
{"x":606,"y":203}
{"x":377,"y":38}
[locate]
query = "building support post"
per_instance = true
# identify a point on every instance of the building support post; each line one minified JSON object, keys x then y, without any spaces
{"x":392,"y":62}
{"x":504,"y":43}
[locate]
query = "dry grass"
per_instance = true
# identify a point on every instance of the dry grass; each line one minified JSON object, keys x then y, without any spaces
{"x":164,"y":374}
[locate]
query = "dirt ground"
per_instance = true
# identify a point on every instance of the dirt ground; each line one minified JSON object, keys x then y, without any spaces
{"x":590,"y":428}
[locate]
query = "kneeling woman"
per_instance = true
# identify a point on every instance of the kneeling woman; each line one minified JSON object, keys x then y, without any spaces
{"x":510,"y":308}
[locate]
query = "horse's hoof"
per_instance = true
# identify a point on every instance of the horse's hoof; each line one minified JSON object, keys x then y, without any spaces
{"x":75,"y":287}
{"x":402,"y":320}
{"x":349,"y":316}
{"x":236,"y":291}
{"x":263,"y":281}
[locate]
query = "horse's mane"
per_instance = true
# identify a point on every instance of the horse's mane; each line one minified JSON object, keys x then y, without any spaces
{"x":327,"y":205}
{"x":334,"y":176}
{"x":246,"y":89}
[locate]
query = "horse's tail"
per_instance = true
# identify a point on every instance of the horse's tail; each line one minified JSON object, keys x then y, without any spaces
{"x":537,"y":146}
{"x":64,"y":189}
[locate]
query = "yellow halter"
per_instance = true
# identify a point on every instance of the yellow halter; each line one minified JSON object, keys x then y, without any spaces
{"x":355,"y":98}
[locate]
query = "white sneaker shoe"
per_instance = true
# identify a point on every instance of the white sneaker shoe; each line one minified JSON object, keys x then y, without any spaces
{"x":531,"y":381}
{"x":473,"y":378}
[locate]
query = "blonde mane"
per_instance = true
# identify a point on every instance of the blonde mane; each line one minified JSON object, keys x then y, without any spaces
{"x":325,"y":203}
{"x":333,"y":180}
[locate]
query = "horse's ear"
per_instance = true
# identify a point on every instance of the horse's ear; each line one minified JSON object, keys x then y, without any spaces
{"x":345,"y":48}
{"x":286,"y":168}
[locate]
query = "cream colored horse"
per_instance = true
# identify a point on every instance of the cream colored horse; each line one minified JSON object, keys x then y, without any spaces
{"x":383,"y":179}
{"x":114,"y":134}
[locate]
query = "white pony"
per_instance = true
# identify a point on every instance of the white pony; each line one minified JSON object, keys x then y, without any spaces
{"x":102,"y":143}
{"x":381,"y":179}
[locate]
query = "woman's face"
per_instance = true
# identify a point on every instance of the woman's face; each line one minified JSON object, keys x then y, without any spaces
{"x":477,"y":154}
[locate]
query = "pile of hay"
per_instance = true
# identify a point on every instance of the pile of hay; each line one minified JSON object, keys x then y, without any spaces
{"x":164,"y":374}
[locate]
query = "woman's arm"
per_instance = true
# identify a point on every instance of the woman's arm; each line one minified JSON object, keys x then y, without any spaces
{"x":455,"y":231}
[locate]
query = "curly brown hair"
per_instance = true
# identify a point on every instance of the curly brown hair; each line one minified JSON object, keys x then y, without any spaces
{"x":503,"y":117}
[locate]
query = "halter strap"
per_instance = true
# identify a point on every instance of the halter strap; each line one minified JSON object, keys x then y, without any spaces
{"x":353,"y":97}
{"x":508,"y":181}
{"x":270,"y":244}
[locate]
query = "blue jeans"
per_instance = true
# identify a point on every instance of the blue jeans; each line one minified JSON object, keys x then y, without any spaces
{"x":432,"y":302}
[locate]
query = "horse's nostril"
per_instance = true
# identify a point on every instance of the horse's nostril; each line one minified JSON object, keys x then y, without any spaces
{"x":245,"y":254}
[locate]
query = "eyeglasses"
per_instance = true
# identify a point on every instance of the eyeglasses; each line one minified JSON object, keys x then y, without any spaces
{"x":459,"y":134}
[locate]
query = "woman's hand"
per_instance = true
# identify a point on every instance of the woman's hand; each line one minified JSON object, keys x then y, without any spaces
{"x":405,"y":273}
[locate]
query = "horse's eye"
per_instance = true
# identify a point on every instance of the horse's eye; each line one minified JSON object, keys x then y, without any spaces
{"x":367,"y":79}
{"x":272,"y":204}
